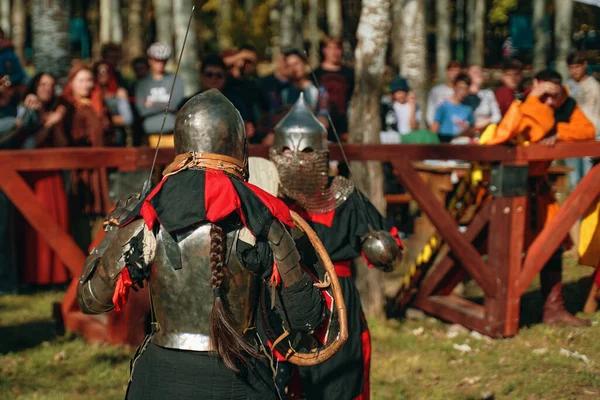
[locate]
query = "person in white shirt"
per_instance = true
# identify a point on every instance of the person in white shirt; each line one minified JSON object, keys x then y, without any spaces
{"x":400,"y":112}
{"x":586,"y":91}
{"x":443,"y":91}
{"x":485,"y":107}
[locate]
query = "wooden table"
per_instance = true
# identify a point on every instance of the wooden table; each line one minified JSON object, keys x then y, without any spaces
{"x":504,"y":276}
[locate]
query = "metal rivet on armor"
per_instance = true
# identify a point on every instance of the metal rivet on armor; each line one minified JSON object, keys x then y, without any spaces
{"x":506,"y":210}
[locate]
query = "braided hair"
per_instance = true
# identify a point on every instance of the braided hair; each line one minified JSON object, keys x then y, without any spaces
{"x":225,"y":339}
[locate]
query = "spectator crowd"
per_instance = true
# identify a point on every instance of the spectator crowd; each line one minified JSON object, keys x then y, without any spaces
{"x":98,"y":107}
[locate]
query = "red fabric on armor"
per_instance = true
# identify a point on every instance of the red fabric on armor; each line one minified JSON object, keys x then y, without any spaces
{"x":275,"y":276}
{"x":343,"y":269}
{"x":147,"y":211}
{"x":275,"y":205}
{"x":365,"y":338}
{"x":319,"y":218}
{"x":220,"y":197}
{"x":121,"y":293}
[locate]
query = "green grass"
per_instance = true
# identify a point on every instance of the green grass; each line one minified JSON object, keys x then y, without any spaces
{"x":38,"y":363}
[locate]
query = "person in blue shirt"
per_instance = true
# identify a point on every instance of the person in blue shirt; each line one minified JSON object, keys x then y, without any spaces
{"x":452,"y":118}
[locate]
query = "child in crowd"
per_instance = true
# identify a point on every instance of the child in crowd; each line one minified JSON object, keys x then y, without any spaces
{"x":452,"y":118}
{"x":400,"y":112}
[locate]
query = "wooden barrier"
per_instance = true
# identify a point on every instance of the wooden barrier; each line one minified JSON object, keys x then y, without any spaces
{"x":504,"y":275}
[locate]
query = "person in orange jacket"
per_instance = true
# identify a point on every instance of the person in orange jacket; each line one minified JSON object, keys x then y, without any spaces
{"x":547,"y":115}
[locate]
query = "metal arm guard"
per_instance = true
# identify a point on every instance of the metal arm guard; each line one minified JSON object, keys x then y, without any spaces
{"x":104,"y":265}
{"x":380,"y":249}
{"x":285,"y":253}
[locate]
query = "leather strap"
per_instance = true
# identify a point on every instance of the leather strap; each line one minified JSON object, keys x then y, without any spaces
{"x":200,"y":160}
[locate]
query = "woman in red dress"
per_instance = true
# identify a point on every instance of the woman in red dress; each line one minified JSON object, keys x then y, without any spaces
{"x":85,"y":124}
{"x":40,"y":120}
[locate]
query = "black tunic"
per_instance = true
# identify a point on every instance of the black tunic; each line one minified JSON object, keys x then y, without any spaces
{"x":343,"y":376}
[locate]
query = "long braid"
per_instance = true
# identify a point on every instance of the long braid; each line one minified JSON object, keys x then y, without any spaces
{"x":227,"y":342}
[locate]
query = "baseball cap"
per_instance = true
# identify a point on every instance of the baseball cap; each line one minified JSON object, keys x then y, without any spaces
{"x":159,"y":51}
{"x":399,"y":83}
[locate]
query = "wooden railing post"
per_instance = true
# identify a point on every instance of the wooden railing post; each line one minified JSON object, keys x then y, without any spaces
{"x":506,"y":235}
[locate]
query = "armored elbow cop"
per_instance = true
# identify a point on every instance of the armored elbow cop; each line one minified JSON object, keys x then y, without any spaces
{"x":285,"y":253}
{"x":380,"y":249}
{"x":132,"y":245}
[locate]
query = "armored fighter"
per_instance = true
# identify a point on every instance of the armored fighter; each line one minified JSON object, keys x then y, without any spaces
{"x":349,"y":226}
{"x":205,"y":241}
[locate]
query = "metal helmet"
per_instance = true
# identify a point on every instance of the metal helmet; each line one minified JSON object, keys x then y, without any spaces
{"x":302,"y":159}
{"x":209,"y":123}
{"x":300,"y":130}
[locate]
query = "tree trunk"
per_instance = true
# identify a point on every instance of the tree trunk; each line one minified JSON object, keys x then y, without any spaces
{"x":274,"y":20}
{"x":414,"y":45}
{"x":470,"y":28}
{"x":116,"y":23}
{"x":248,"y":7}
{"x":5,"y":17}
{"x":134,"y":44}
{"x":287,"y":32}
{"x":351,"y":15}
{"x":224,"y":25}
{"x":539,"y":45}
{"x":163,"y":16}
{"x":443,"y":51}
{"x":51,"y":36}
{"x":334,"y":18}
{"x":105,"y":23}
{"x":298,"y":20}
{"x":313,"y":23}
{"x":93,"y":16}
{"x":562,"y":35}
{"x":372,"y":34}
{"x":19,"y":27}
{"x":187,"y":70}
{"x":397,"y":34}
{"x":477,"y":36}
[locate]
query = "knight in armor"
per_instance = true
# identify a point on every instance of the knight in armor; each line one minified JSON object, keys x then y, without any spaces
{"x":349,"y":226}
{"x":205,"y":241}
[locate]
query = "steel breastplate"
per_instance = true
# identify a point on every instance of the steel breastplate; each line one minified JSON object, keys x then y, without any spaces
{"x":182,"y":294}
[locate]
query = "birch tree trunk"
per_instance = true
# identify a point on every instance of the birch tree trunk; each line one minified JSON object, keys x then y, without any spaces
{"x":105,"y":17}
{"x":372,"y":34}
{"x":539,"y":44}
{"x":414,"y":44}
{"x":287,"y":32}
{"x":187,"y":70}
{"x":116,"y":24}
{"x":562,"y":33}
{"x":477,"y":37}
{"x":163,"y":15}
{"x":19,"y":27}
{"x":443,"y":51}
{"x":5,"y":17}
{"x":224,"y":25}
{"x":51,"y":36}
{"x":134,"y":44}
{"x":396,"y":34}
{"x":313,"y":28}
{"x":334,"y":18}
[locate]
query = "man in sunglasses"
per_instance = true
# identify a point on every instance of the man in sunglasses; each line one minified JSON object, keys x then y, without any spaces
{"x":213,"y":75}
